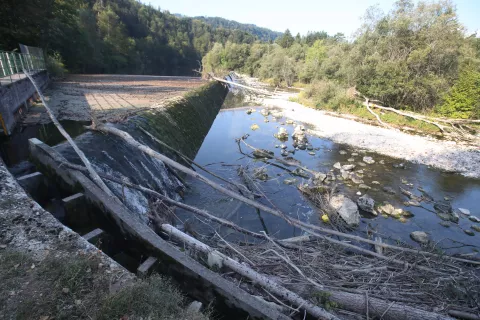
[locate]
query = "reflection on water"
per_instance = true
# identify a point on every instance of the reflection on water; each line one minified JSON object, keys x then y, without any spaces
{"x":221,"y":155}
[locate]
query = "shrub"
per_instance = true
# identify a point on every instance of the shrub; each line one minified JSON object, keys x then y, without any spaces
{"x":463,"y":100}
{"x":327,"y":94}
{"x":55,"y":65}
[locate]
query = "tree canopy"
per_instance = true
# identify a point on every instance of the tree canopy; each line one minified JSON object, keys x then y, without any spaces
{"x":121,"y":36}
{"x":415,"y":57}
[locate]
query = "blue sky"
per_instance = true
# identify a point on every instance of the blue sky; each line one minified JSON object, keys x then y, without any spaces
{"x":302,"y":15}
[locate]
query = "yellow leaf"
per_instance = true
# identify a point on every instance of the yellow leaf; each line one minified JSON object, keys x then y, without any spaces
{"x":325,"y":218}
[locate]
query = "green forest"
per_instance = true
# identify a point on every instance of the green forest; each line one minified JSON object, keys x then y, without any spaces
{"x":106,"y":36}
{"x":262,"y":34}
{"x":415,"y":57}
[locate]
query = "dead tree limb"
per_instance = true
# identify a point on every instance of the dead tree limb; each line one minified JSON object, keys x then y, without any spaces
{"x":93,"y":174}
{"x":367,"y":104}
{"x":241,"y":85}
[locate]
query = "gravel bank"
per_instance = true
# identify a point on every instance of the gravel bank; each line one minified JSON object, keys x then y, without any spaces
{"x":444,"y":155}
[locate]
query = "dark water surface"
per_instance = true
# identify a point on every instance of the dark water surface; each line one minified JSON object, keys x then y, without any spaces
{"x":220,"y":154}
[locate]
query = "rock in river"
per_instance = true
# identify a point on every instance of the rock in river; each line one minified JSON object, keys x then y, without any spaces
{"x":356,"y":179}
{"x":348,"y":167}
{"x":419,"y":236}
{"x":342,"y":152}
{"x":368,"y":160}
{"x":262,"y":153}
{"x":290,"y":181}
{"x":319,"y":177}
{"x":474,"y":219}
{"x":282,"y":134}
{"x":388,"y":190}
{"x":363,"y":186}
{"x":347,"y":209}
{"x":464,"y":211}
{"x":265,"y":112}
{"x":337,"y":166}
{"x":387,"y":208}
{"x":367,"y":204}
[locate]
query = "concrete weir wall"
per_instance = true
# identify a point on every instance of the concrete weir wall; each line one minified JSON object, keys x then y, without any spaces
{"x":14,"y":99}
{"x":200,"y":282}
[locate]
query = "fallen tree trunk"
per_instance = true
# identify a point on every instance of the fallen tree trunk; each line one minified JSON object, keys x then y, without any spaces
{"x":348,"y":301}
{"x":297,"y":223}
{"x":251,"y":274}
{"x":367,"y":104}
{"x":93,"y":174}
{"x":241,"y":85}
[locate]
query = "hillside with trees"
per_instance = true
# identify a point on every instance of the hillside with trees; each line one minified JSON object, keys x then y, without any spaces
{"x":263,"y":34}
{"x":415,"y":57}
{"x":106,"y":36}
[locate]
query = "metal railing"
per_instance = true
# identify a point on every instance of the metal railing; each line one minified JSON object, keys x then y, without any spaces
{"x":13,"y":64}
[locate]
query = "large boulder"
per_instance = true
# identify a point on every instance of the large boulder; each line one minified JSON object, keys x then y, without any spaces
{"x":367,"y":204}
{"x":368,"y":160}
{"x":420,"y":237}
{"x":347,"y":209}
{"x":282,"y":134}
{"x":299,"y":137}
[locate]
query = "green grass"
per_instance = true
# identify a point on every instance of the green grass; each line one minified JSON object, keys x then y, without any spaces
{"x":77,"y":287}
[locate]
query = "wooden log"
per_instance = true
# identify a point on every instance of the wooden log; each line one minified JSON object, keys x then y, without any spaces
{"x":241,"y":86}
{"x":367,"y":104}
{"x":247,"y":272}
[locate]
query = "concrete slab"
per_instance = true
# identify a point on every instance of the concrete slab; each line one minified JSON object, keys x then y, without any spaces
{"x":76,"y":212}
{"x":35,"y":185}
{"x":147,"y":267}
{"x":94,"y":236}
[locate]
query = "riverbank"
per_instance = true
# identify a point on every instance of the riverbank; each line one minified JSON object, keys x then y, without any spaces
{"x":449,"y":156}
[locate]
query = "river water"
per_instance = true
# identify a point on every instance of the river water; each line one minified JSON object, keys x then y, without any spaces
{"x":220,"y":154}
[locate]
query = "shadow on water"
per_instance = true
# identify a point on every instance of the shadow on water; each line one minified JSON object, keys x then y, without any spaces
{"x":14,"y":149}
{"x":220,"y":154}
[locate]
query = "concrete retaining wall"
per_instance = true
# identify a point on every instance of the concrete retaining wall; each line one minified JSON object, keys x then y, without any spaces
{"x":14,"y":100}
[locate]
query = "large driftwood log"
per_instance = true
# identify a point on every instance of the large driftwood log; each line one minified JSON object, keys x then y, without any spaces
{"x":241,"y":85}
{"x":349,"y":301}
{"x":88,"y":165}
{"x":247,"y":272}
{"x":367,"y":104}
{"x":309,"y":228}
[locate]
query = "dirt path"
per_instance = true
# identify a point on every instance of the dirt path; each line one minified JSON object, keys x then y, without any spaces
{"x":445,"y":155}
{"x":109,"y":97}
